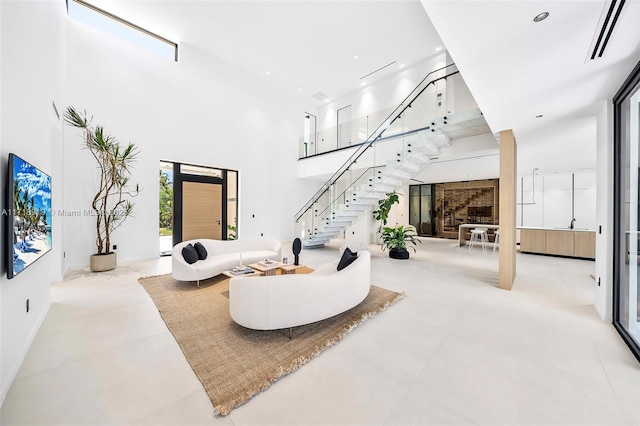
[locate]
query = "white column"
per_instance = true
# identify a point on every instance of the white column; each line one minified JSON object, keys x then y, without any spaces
{"x":604,"y":212}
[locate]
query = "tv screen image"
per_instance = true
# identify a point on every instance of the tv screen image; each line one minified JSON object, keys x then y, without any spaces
{"x":29,"y":214}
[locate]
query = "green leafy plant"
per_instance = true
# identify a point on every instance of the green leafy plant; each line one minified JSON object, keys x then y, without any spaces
{"x":231,"y":232}
{"x":399,"y":237}
{"x":111,"y":204}
{"x":384,"y":207}
{"x":166,"y":202}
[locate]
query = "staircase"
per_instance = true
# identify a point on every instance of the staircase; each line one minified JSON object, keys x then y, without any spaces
{"x":380,"y":165}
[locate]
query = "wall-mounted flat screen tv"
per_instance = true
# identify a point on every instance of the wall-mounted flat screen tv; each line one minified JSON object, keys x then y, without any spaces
{"x":29,"y":221}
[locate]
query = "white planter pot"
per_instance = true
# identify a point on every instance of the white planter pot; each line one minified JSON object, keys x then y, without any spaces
{"x":103,"y":262}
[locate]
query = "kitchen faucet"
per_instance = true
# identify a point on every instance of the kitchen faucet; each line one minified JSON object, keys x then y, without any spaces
{"x":573,"y":221}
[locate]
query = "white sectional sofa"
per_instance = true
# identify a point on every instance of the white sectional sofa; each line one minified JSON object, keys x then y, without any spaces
{"x":283,"y":301}
{"x":222,"y":255}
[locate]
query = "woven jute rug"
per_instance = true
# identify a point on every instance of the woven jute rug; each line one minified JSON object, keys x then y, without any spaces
{"x":232,"y":362}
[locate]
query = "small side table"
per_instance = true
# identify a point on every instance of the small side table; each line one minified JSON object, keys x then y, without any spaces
{"x":289,"y":269}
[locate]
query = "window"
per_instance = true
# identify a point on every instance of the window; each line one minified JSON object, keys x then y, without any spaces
{"x":105,"y":21}
{"x":626,"y":252}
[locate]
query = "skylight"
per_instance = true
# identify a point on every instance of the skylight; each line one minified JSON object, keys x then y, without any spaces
{"x":107,"y":22}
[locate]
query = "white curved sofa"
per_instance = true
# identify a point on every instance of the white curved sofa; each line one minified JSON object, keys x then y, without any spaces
{"x":282,"y":301}
{"x":222,"y":256}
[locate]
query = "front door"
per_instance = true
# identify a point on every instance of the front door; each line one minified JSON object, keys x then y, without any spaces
{"x":205,"y":203}
{"x":201,"y":210}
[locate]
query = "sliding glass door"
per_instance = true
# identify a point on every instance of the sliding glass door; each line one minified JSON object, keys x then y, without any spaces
{"x":626,"y":309}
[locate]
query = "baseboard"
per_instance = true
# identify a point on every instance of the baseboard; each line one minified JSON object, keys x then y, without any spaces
{"x":605,"y":316}
{"x":23,"y":353}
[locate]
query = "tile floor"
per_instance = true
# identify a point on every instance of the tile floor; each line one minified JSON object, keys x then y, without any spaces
{"x":456,"y":350}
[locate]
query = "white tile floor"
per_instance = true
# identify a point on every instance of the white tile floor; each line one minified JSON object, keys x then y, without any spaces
{"x":456,"y":350}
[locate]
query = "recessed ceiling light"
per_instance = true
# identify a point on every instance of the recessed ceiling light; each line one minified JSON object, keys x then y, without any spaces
{"x":355,"y":56}
{"x":364,"y":83}
{"x":327,"y":100}
{"x":541,"y":17}
{"x":539,"y":115}
{"x":401,"y":66}
{"x":268,"y":72}
{"x":439,"y":48}
{"x":299,"y":89}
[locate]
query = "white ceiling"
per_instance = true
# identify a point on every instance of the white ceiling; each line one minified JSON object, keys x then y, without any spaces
{"x":308,"y":45}
{"x":517,"y":69}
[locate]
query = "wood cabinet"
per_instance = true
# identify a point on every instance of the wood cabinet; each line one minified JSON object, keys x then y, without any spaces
{"x":584,"y":244}
{"x":532,"y":241}
{"x":558,"y":242}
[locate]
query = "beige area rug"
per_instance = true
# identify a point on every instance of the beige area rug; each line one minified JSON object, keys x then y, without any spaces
{"x":232,"y":362}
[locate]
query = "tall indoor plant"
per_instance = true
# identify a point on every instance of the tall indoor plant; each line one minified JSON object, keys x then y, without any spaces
{"x":384,"y":207}
{"x":112,"y":202}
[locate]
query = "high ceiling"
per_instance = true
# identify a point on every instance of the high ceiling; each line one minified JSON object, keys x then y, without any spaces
{"x":515,"y":68}
{"x":305,"y":46}
{"x":518,"y":69}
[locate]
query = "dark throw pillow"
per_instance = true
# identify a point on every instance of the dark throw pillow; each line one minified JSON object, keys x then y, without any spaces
{"x":347,"y":259}
{"x":189,"y":254}
{"x":202,"y":252}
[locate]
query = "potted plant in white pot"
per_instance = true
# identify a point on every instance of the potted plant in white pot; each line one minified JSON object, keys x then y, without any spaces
{"x":398,"y":239}
{"x":112,"y":202}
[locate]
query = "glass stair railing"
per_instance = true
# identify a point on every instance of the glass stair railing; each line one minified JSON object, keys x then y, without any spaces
{"x":401,"y":147}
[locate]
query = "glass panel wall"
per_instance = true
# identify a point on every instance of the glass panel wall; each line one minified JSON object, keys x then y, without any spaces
{"x":626,"y":309}
{"x":426,"y":208}
{"x":421,"y":208}
{"x":232,"y":204}
{"x":165,"y":216}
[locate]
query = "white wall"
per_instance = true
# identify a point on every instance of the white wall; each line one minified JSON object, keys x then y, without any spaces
{"x":198,"y":110}
{"x":545,"y":200}
{"x":549,"y":148}
{"x":380,"y":95}
{"x":604,"y":212}
{"x":470,"y":158}
{"x":32,"y":69}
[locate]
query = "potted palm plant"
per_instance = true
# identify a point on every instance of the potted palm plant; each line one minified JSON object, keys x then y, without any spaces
{"x":112,"y":202}
{"x":398,"y":239}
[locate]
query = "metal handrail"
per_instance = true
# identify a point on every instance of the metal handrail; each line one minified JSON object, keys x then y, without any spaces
{"x":375,"y":135}
{"x":349,"y":187}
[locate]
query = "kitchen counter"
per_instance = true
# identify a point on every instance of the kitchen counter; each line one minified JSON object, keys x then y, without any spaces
{"x":558,"y":229}
{"x":580,"y":243}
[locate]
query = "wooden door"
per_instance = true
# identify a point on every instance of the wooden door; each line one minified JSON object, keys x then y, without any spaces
{"x":201,"y":211}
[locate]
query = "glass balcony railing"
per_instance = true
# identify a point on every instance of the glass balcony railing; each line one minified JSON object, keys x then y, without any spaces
{"x":418,"y":116}
{"x":365,"y":175}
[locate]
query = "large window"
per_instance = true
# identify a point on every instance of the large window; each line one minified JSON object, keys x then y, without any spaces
{"x":95,"y":17}
{"x":626,"y":308}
